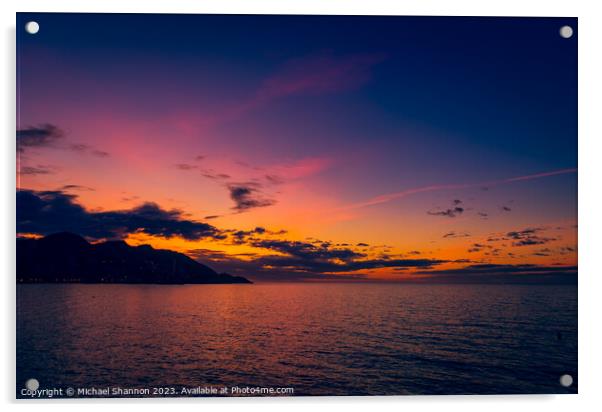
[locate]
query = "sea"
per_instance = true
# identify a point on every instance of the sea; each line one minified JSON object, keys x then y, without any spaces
{"x":294,"y":339}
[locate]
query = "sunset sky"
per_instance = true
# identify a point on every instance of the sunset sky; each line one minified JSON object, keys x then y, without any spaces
{"x":306,"y":148}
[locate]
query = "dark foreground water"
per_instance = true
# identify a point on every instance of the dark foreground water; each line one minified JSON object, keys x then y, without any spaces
{"x":320,"y":339}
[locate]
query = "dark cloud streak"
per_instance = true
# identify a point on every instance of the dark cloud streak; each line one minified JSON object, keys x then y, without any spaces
{"x":50,"y":136}
{"x":528,"y":237}
{"x":246,"y":196}
{"x":453,"y":211}
{"x":41,"y":136}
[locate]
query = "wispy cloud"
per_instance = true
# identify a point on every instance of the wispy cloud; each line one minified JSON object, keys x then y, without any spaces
{"x":37,"y":170}
{"x":455,"y":235}
{"x":315,"y":74}
{"x":322,"y":73}
{"x":398,"y":195}
{"x":77,"y":188}
{"x":84,"y":148}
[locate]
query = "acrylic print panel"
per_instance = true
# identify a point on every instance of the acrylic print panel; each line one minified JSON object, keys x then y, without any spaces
{"x":251,"y":205}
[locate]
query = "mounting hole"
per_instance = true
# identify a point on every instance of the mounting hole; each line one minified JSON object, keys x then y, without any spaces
{"x":566,"y":380}
{"x":566,"y":32}
{"x":32,"y":27}
{"x":32,"y":384}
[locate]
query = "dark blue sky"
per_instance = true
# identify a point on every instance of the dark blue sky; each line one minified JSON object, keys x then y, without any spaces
{"x":503,"y":82}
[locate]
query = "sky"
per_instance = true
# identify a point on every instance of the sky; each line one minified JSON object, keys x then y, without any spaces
{"x":306,"y":148}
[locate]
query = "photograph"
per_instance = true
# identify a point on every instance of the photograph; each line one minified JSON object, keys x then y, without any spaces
{"x":212,"y":205}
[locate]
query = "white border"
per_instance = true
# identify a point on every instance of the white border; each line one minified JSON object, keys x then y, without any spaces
{"x":590,"y":134}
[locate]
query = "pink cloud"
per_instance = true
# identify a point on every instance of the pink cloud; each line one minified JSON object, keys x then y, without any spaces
{"x":316,"y":74}
{"x":319,"y":74}
{"x":301,"y":168}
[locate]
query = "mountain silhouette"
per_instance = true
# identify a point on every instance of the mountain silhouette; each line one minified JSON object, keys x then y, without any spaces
{"x":67,"y":257}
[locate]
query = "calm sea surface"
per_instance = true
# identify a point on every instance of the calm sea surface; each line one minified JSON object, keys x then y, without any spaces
{"x":320,"y":339}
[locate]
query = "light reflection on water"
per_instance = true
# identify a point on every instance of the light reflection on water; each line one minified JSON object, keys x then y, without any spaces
{"x":321,"y":339}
